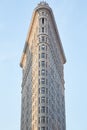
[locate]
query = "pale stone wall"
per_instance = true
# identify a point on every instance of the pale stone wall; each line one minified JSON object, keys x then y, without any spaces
{"x":43,"y":101}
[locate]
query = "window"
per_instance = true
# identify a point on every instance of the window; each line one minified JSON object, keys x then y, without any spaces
{"x":46,"y":56}
{"x":46,"y":109}
{"x":39,"y":72}
{"x":42,"y":13}
{"x":46,"y":39}
{"x":39,"y":100}
{"x":39,"y":56}
{"x":42,"y":38}
{"x":39,"y":64}
{"x":38,"y":128}
{"x":46,"y":64}
{"x":46,"y":48}
{"x":43,"y":63}
{"x":43,"y":72}
{"x":39,"y":29}
{"x":43,"y":29}
{"x":43,"y":80}
{"x":43,"y":109}
{"x":38,"y":109}
{"x":42,"y":20}
{"x":39,"y":46}
{"x":42,"y":55}
{"x":39,"y":39}
{"x":39,"y":81}
{"x":42,"y":128}
{"x":47,"y":120}
{"x":43,"y":119}
{"x":47,"y":128}
{"x":46,"y":90}
{"x":46,"y":72}
{"x":47,"y":100}
{"x":43,"y":47}
{"x":46,"y":81}
{"x":39,"y":90}
{"x":38,"y":119}
{"x":42,"y":90}
{"x":42,"y":99}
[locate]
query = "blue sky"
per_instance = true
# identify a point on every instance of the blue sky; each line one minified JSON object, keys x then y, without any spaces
{"x":71,"y":19}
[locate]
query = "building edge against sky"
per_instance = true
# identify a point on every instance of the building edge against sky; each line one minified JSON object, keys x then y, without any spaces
{"x":42,"y":62}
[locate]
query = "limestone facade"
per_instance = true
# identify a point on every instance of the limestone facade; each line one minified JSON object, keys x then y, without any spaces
{"x":43,"y":99}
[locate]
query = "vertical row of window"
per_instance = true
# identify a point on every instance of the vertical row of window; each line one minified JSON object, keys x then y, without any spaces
{"x":43,"y":81}
{"x":43,"y":23}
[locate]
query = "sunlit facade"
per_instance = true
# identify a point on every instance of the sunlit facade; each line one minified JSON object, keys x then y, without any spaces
{"x":42,"y":62}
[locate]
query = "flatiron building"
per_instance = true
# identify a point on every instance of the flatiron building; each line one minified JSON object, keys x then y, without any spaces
{"x":42,"y":62}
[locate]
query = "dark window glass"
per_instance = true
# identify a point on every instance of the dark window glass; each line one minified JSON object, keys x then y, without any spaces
{"x":46,"y":56}
{"x":39,"y":46}
{"x":46,"y":72}
{"x":43,"y":72}
{"x":39,"y":110}
{"x":46,"y":81}
{"x":42,"y":38}
{"x":39,"y":29}
{"x":42,"y":13}
{"x":46,"y":48}
{"x":43,"y":109}
{"x":38,"y":119}
{"x":46,"y":90}
{"x":39,"y":39}
{"x":42,"y":55}
{"x":42,"y":20}
{"x":43,"y":63}
{"x":46,"y":39}
{"x":43,"y":47}
{"x":39,"y":72}
{"x":43,"y":119}
{"x":47,"y":120}
{"x":39,"y":64}
{"x":43,"y":80}
{"x":39,"y":56}
{"x":46,"y":64}
{"x":39,"y":100}
{"x":42,"y":128}
{"x":46,"y":109}
{"x":42,"y":99}
{"x":43,"y":29}
{"x":47,"y":100}
{"x":39,"y":81}
{"x":42,"y":90}
{"x":39,"y":90}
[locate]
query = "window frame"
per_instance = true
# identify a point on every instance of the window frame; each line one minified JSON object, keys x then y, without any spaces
{"x":43,"y":20}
